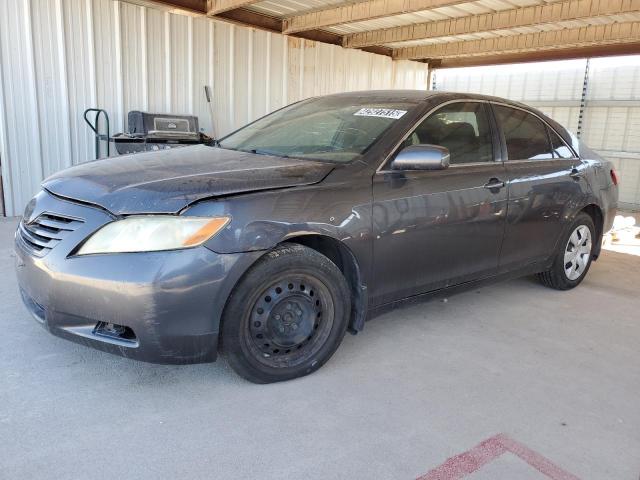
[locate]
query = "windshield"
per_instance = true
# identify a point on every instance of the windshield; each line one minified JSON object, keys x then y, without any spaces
{"x":335,"y":129}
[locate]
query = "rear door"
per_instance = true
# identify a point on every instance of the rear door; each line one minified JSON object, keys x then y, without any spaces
{"x":439,"y":228}
{"x":544,"y":178}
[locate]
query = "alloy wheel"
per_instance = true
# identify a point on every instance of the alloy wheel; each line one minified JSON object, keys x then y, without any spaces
{"x":577,"y":252}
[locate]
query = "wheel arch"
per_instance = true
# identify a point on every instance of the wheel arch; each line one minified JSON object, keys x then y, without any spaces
{"x":595,"y":212}
{"x":342,"y":256}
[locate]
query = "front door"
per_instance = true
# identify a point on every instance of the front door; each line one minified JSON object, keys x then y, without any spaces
{"x":439,"y":228}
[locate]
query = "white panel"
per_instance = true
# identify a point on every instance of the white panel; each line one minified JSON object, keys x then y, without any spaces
{"x":615,"y":78}
{"x":21,"y":135}
{"x":51,"y":85}
{"x":224,"y":77}
{"x":134,"y":64}
{"x":340,"y":68}
{"x":260,"y":75}
{"x":325,"y":68}
{"x":595,"y":137}
{"x":80,"y":57}
{"x":411,"y":75}
{"x":526,"y":82}
{"x":295,"y":69}
{"x":616,"y":127}
{"x":277,"y":85}
{"x":308,"y":85}
{"x":567,"y":116}
{"x":632,"y":143}
{"x":107,"y":30}
{"x":242,"y":50}
{"x":202,"y":59}
{"x":353,"y":71}
{"x":181,"y":74}
{"x":382,"y":73}
{"x":157,"y":43}
{"x":60,"y":57}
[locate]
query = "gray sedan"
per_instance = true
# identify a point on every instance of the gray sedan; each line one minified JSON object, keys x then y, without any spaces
{"x":300,"y":226}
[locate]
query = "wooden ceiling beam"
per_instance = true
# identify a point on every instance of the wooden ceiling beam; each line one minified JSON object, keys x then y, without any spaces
{"x":539,"y":56}
{"x":191,"y":6}
{"x":549,"y":13}
{"x":249,"y":18}
{"x":360,"y":11}
{"x":616,"y":33}
{"x":214,"y":7}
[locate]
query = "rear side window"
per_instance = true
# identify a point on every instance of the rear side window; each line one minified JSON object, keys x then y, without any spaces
{"x":560,"y":149}
{"x":525,"y":135}
{"x":462,"y":127}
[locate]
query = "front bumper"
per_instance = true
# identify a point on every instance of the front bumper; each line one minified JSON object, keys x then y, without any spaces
{"x":171,"y":301}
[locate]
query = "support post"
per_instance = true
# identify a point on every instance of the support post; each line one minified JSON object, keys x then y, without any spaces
{"x":583,"y":98}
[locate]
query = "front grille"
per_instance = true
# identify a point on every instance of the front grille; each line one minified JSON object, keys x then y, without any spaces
{"x":46,"y":231}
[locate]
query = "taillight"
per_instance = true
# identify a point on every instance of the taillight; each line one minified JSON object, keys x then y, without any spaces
{"x":614,"y":177}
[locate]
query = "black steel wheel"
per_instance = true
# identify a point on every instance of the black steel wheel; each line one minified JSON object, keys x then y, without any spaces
{"x":287,"y":315}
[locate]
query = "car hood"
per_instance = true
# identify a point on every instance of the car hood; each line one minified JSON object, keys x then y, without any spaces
{"x":169,"y":180}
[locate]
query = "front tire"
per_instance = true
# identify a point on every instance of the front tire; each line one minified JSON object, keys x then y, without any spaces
{"x":574,"y":256}
{"x":286,"y":316}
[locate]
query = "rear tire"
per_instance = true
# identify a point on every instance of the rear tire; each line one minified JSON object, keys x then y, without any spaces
{"x":287,"y":315}
{"x":574,"y":256}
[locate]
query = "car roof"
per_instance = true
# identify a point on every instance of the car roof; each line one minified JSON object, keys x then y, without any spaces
{"x":419,"y":96}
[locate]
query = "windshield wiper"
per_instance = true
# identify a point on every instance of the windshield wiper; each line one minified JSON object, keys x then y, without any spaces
{"x":267,"y":152}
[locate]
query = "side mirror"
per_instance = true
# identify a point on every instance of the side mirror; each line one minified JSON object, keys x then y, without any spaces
{"x":421,"y":157}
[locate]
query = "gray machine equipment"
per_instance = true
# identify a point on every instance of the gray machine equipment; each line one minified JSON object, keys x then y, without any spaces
{"x":158,"y":131}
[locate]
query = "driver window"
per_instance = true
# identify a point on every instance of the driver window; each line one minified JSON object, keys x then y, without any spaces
{"x":462,"y":127}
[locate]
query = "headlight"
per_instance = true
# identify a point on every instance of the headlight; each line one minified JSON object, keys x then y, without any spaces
{"x":152,"y":233}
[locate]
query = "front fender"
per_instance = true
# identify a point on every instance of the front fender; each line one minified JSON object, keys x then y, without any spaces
{"x":262,"y":220}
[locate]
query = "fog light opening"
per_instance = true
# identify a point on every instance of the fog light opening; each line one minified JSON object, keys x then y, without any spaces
{"x":113,"y":330}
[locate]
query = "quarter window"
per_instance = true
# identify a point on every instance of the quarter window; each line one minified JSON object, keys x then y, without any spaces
{"x":462,"y":127}
{"x":560,"y":149}
{"x":525,"y":135}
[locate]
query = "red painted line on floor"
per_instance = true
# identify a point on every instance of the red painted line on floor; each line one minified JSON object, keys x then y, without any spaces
{"x":464,"y":464}
{"x":468,"y":462}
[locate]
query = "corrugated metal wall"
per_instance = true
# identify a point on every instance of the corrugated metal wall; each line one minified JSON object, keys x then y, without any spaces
{"x":611,"y":119}
{"x":59,"y":57}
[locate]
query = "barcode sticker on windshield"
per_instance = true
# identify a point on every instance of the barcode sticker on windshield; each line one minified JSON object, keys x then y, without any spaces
{"x":380,"y":112}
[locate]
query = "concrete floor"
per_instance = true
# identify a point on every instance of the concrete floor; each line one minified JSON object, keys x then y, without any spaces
{"x":556,"y":371}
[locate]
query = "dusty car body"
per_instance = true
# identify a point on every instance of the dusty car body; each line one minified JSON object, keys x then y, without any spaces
{"x":395,"y":234}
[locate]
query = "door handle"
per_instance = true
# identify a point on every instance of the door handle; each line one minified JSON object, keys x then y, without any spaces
{"x":575,"y":174}
{"x":494,"y":184}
